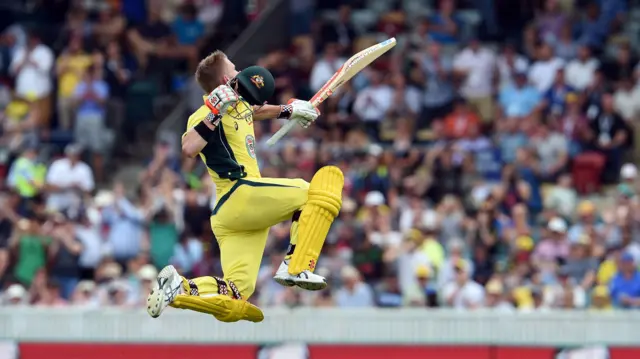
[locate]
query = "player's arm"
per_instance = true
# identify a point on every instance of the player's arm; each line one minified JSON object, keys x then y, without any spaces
{"x":196,"y":137}
{"x":199,"y":132}
{"x":296,"y":110}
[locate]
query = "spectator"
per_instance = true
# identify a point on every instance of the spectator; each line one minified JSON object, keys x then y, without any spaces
{"x":435,"y":72}
{"x":462,"y":121}
{"x":125,"y":221}
{"x":592,"y":30}
{"x":70,"y":69}
{"x":388,"y":294}
{"x":581,"y":70}
{"x":543,"y":71}
{"x":600,"y":299}
{"x":27,"y":175}
{"x":555,"y":98}
{"x":552,"y":150}
{"x":573,"y":124}
{"x":476,"y":65}
{"x":566,"y":294}
{"x":51,"y":296}
{"x":354,"y":292}
{"x":372,"y":104}
{"x":462,"y":292}
{"x":85,"y":295}
{"x":510,"y":139}
{"x":495,"y":299}
{"x":565,"y":47}
{"x":625,"y":100}
{"x":15,"y":296}
{"x":625,"y":286}
{"x":31,"y":65}
{"x":90,"y":130}
{"x":562,"y":198}
{"x":519,"y":99}
{"x":325,"y":67}
{"x":509,"y":64}
{"x":68,"y":180}
{"x":28,"y":244}
{"x":88,"y":233}
{"x":609,"y":137}
{"x":551,"y":21}
{"x":445,"y":26}
{"x":187,"y":27}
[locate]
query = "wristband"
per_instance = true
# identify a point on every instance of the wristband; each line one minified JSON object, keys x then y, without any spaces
{"x":204,"y":131}
{"x":285,"y":111}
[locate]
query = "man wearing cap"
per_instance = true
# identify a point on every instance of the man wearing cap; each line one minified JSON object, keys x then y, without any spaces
{"x":221,"y":132}
{"x":625,"y":286}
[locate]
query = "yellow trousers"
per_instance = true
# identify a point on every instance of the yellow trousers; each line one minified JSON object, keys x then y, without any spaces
{"x":241,"y":220}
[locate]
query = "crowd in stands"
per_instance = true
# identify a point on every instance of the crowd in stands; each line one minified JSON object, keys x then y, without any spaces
{"x":488,"y":164}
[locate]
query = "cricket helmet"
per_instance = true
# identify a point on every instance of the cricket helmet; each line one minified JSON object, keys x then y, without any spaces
{"x":256,"y":85}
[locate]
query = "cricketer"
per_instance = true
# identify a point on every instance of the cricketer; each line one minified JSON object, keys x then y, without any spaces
{"x":221,"y":133}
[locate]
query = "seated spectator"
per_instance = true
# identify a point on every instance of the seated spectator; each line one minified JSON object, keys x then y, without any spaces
{"x":580,"y":265}
{"x":388,"y":294}
{"x":551,"y":21}
{"x":354,"y":293}
{"x":109,"y":27}
{"x":520,"y":98}
{"x":600,"y":299}
{"x":85,"y":295}
{"x":90,"y":129}
{"x":462,"y":121}
{"x":496,"y":298}
{"x":428,"y":289}
{"x":543,"y":71}
{"x":444,"y":26}
{"x":565,"y":47}
{"x":609,"y":136}
{"x":71,"y":66}
{"x":510,"y":138}
{"x":15,"y":296}
{"x":574,"y":125}
{"x":563,"y":197}
{"x":625,"y":286}
{"x":626,"y":100}
{"x":566,"y":294}
{"x":555,"y":98}
{"x":553,"y":249}
{"x":463,"y":292}
{"x":621,"y":66}
{"x":51,"y":296}
{"x":552,"y":150}
{"x":593,"y":29}
{"x":580,"y":71}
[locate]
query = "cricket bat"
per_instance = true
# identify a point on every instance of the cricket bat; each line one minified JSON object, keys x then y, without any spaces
{"x":348,"y":70}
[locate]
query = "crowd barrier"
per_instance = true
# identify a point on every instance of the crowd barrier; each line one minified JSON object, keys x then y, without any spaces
{"x":320,"y":334}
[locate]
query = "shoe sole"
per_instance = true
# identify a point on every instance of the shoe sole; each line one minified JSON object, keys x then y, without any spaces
{"x":157,"y":297}
{"x":313,"y":286}
{"x":285,"y":282}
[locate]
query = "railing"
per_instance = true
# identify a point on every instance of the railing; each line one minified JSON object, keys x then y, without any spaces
{"x":313,"y":325}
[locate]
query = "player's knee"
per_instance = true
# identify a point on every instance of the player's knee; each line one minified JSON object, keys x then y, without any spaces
{"x":325,"y":189}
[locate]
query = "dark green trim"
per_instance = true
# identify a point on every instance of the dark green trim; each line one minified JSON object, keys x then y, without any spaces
{"x":239,"y":183}
{"x":219,"y":157}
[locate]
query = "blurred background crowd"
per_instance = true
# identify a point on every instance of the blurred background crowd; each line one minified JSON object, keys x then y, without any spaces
{"x":489,"y":157}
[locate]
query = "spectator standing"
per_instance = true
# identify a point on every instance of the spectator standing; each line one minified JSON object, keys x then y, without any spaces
{"x":64,"y":253}
{"x":581,"y":70}
{"x":609,"y":137}
{"x":325,"y":67}
{"x":70,"y":69}
{"x":372,"y":104}
{"x":510,"y":63}
{"x":32,"y":65}
{"x":68,"y":180}
{"x":445,"y":26}
{"x":28,"y":244}
{"x":26,"y":175}
{"x":476,"y":65}
{"x":463,"y":292}
{"x":543,"y":71}
{"x":435,"y":70}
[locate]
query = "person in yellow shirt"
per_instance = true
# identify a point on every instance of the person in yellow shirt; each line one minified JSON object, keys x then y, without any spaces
{"x":70,"y":68}
{"x":608,"y":268}
{"x":601,"y":299}
{"x":221,"y":133}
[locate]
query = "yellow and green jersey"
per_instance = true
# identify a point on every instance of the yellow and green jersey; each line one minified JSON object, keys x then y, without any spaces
{"x":230,"y":154}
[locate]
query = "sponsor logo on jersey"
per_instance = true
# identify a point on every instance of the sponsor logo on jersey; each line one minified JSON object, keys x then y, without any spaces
{"x":250,"y":142}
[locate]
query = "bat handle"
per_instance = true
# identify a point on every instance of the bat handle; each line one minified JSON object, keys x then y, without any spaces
{"x":281,"y":132}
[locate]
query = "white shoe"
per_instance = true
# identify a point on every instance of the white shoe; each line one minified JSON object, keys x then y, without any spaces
{"x":305,"y":280}
{"x":168,"y":285}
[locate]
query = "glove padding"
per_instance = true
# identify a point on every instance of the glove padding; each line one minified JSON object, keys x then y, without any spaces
{"x":219,"y":100}
{"x":303,"y":112}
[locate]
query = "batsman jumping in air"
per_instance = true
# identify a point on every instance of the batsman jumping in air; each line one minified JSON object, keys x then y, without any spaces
{"x":221,"y":133}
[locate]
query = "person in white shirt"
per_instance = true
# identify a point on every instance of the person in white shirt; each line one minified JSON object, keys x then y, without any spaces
{"x":325,"y":67}
{"x":68,"y":180}
{"x":626,"y":100}
{"x":477,"y":66}
{"x":510,"y":63}
{"x":32,"y":67}
{"x":373,"y":103}
{"x":544,"y":70}
{"x":462,"y":292}
{"x":580,"y":71}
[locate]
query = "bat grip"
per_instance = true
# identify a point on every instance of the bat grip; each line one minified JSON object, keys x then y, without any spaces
{"x":281,"y":132}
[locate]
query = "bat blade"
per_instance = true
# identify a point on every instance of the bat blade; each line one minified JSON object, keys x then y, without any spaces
{"x":346,"y":72}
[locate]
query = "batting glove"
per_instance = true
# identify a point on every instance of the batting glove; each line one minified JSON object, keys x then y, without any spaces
{"x":219,"y":100}
{"x":303,"y":112}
